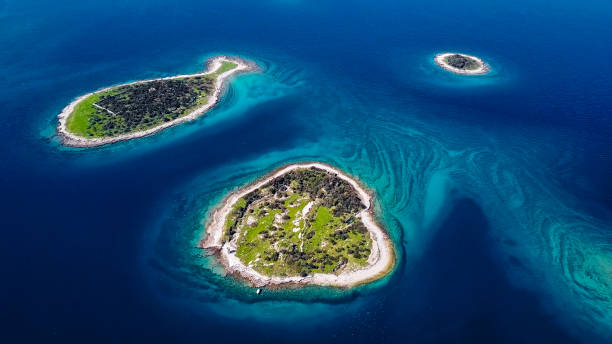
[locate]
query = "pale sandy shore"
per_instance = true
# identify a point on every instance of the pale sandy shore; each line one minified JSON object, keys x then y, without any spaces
{"x":380,"y":261}
{"x":212,"y":64}
{"x":483,"y":69}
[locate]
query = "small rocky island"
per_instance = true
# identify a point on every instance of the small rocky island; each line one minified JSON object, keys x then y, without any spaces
{"x":143,"y":108}
{"x":304,"y":224}
{"x":461,"y":64}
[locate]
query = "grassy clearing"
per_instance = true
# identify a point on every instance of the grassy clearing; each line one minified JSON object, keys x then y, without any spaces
{"x":276,"y":237}
{"x":254,"y":247}
{"x":225,"y":66}
{"x":78,"y":122}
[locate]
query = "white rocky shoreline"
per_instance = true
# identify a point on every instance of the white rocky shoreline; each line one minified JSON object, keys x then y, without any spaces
{"x":212,"y":64}
{"x":482,"y":69}
{"x":380,"y":262}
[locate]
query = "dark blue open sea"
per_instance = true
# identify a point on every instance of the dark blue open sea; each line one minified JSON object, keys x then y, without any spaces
{"x":496,"y":189}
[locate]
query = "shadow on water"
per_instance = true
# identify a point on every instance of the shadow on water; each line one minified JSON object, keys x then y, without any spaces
{"x":460,"y":294}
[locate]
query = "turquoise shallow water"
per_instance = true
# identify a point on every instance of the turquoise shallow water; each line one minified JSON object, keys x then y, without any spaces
{"x":417,"y":173}
{"x":495,"y":189}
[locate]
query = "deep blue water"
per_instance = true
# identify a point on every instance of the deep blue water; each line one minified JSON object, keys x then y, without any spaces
{"x":496,"y":189}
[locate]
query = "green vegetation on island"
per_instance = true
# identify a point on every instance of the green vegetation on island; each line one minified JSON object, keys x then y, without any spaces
{"x":300,"y":223}
{"x":462,"y":62}
{"x":140,"y":106}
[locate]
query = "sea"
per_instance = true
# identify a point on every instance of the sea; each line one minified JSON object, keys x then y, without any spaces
{"x":495,"y":189}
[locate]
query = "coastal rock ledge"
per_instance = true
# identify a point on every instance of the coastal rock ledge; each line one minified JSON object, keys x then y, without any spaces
{"x":461,"y":64}
{"x":302,"y":224}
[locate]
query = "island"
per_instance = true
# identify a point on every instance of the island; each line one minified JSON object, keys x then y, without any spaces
{"x":461,"y":64}
{"x":143,"y":108}
{"x":303,"y":224}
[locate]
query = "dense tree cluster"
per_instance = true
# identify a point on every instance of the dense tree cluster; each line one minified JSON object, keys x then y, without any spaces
{"x":461,"y":62}
{"x":139,"y":106}
{"x":333,"y":191}
{"x":358,"y":251}
{"x":304,"y":262}
{"x":238,"y":213}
